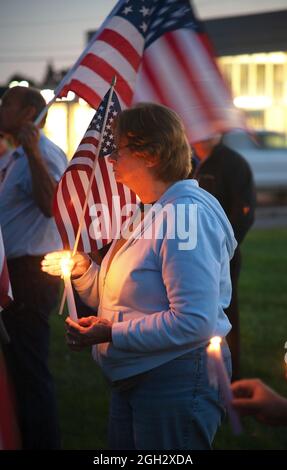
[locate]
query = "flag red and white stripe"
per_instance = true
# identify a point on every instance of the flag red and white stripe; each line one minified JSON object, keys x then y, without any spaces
{"x":118,"y":51}
{"x":159,"y":52}
{"x":196,"y":90}
{"x":102,"y":219}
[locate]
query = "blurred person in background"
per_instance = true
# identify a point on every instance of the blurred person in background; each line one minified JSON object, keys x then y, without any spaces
{"x":29,"y":231}
{"x":227,"y":176}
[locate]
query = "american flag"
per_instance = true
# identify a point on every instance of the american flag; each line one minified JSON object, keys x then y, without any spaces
{"x":159,"y":51}
{"x":107,"y":197}
{"x":5,"y":287}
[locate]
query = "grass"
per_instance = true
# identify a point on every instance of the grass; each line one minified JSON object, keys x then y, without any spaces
{"x":83,"y":394}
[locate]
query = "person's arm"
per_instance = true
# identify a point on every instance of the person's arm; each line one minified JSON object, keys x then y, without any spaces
{"x":84,"y":273}
{"x":253,"y":397}
{"x":191,"y":278}
{"x":43,"y":184}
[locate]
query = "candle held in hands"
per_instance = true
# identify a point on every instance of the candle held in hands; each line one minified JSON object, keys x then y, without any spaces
{"x":218,"y":377}
{"x":66,"y":264}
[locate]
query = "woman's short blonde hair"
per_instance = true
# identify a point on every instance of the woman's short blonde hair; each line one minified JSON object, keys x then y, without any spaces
{"x":158,"y":131}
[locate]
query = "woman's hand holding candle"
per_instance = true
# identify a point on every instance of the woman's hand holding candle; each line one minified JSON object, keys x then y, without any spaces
{"x":61,"y":263}
{"x":77,"y":265}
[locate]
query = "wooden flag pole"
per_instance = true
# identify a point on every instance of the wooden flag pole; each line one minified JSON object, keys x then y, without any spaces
{"x":81,"y":222}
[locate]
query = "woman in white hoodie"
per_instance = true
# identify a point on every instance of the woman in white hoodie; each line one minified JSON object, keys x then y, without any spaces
{"x":160,"y":293}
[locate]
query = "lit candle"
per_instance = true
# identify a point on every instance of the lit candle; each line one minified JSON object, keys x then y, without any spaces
{"x":218,"y":376}
{"x":66,"y":263}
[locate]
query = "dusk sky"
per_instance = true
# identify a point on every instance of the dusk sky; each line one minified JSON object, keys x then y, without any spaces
{"x":32,"y":32}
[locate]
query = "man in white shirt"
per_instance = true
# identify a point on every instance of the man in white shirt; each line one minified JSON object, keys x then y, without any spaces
{"x":29,"y":231}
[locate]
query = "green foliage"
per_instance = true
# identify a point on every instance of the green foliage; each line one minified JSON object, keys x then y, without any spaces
{"x":83,"y":394}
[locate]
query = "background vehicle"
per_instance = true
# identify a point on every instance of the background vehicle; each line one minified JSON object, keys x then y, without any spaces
{"x":271,"y":139}
{"x":266,"y":153}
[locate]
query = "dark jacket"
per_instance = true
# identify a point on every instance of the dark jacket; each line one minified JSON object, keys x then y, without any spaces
{"x":227,"y":176}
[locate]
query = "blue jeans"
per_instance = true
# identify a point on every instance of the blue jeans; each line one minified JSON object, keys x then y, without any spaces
{"x":173,"y":407}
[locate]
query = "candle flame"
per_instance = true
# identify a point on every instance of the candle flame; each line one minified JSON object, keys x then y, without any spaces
{"x":66,"y":265}
{"x":215,"y":343}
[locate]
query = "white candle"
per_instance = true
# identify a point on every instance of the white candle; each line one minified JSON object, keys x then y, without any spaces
{"x":218,"y":374}
{"x":66,"y":271}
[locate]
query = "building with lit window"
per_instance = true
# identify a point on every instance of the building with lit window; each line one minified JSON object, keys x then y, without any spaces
{"x":252,"y":53}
